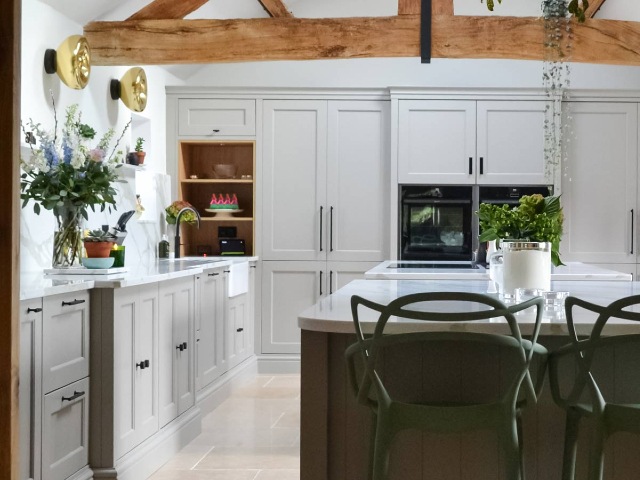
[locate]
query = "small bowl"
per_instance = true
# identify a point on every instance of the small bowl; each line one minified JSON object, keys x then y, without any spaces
{"x":105,"y":262}
{"x":225,"y":170}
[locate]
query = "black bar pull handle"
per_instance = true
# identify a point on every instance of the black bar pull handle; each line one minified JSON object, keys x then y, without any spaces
{"x":481,"y":165}
{"x":180,"y":347}
{"x":212,"y":274}
{"x":73,"y":302}
{"x":470,"y":165}
{"x":632,"y":215}
{"x":321,"y":282}
{"x":331,"y":229}
{"x":330,"y":282}
{"x":34,"y":310}
{"x":321,"y":210}
{"x":252,"y":266}
{"x":215,"y":130}
{"x":73,"y":397}
{"x":239,"y":329}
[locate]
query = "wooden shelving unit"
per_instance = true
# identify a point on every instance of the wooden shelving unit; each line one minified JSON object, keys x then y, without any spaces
{"x":197,"y":158}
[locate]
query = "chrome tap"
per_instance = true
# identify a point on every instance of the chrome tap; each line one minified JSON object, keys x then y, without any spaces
{"x":177,"y":239}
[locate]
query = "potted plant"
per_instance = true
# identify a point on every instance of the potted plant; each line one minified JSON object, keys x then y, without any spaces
{"x":139,"y":151}
{"x":529,"y":236}
{"x":98,"y":243}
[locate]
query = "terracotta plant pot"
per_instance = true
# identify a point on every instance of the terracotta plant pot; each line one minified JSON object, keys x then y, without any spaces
{"x":98,"y":249}
{"x":141,"y":156}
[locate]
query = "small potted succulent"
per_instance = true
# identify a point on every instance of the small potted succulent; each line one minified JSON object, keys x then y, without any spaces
{"x":98,"y":243}
{"x":139,"y":151}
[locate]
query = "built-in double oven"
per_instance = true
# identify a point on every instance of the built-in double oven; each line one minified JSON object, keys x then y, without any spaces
{"x":438,"y":222}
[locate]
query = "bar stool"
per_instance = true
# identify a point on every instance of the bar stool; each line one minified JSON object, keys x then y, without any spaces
{"x":392,"y":415}
{"x":584,"y":398}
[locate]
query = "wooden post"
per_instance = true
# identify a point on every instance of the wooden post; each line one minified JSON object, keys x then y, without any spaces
{"x":9,"y":236}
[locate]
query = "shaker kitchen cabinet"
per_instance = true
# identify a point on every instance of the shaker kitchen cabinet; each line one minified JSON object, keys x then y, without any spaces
{"x":135,"y":369}
{"x":215,"y":117}
{"x":326,"y":180}
{"x":176,"y":353}
{"x":599,"y":183}
{"x":471,"y":142}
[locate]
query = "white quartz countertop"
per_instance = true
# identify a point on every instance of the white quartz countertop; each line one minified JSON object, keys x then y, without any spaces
{"x":391,"y":270}
{"x":333,"y":313}
{"x":35,"y":284}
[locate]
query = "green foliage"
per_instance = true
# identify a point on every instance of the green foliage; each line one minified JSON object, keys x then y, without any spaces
{"x":139,"y":142}
{"x":99,"y":236}
{"x":536,"y":219}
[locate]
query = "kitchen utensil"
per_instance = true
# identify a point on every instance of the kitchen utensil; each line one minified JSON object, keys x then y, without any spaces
{"x":120,"y":230}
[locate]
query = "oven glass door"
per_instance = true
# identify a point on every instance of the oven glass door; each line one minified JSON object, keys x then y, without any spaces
{"x":436,"y":230}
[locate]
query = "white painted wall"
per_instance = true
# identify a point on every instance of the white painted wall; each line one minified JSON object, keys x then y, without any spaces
{"x":44,"y":27}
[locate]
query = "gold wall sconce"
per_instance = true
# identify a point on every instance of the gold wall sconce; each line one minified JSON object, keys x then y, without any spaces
{"x":131,"y":89}
{"x":71,"y":61}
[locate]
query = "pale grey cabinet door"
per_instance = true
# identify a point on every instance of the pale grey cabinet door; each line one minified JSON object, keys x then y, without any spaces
{"x":215,"y":117}
{"x":510,"y":143}
{"x":600,"y":183}
{"x":341,"y":273}
{"x":238,"y":335}
{"x":437,"y":142}
{"x":294,"y":156}
{"x":358,"y":181}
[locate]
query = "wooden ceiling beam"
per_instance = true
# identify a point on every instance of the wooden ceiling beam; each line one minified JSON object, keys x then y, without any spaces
{"x":409,"y":7}
{"x":275,"y":8}
{"x":594,"y":6}
{"x":441,"y":7}
{"x":161,"y":42}
{"x":167,"y":10}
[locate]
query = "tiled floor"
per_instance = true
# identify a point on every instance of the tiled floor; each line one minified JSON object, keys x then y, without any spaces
{"x":253,"y":435}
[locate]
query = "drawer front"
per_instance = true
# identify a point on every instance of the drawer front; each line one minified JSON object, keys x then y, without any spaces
{"x":65,"y":334}
{"x":216,"y":117}
{"x":65,"y":431}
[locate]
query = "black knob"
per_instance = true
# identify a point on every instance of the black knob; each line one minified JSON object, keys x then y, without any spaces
{"x":240,"y":329}
{"x":184,"y":345}
{"x":140,"y":365}
{"x":180,"y":347}
{"x":146,"y":364}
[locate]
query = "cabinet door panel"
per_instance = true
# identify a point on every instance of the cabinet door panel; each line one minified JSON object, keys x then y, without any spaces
{"x":436,"y":139}
{"x":65,"y":350}
{"x":216,"y":117}
{"x":341,"y":273}
{"x":65,"y":431}
{"x":209,"y":356}
{"x":294,"y":156}
{"x":511,"y":143}
{"x":146,"y":400}
{"x":599,"y":184}
{"x":358,"y":180}
{"x":287,"y":289}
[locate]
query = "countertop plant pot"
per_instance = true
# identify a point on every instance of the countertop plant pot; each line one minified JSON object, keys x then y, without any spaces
{"x":141,"y":156}
{"x":98,"y":249}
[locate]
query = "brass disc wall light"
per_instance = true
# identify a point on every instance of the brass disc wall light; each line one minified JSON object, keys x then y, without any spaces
{"x":131,"y":89}
{"x":71,"y":61}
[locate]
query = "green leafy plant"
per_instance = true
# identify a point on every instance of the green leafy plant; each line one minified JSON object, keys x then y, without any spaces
{"x":535,"y":219}
{"x":64,"y":173}
{"x":99,"y":236}
{"x":139,"y":142}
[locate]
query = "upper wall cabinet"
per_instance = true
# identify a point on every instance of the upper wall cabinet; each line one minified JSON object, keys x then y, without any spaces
{"x":469,"y":142}
{"x":201,"y":117}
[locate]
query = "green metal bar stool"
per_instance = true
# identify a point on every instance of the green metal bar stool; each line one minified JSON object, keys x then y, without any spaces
{"x":391,"y":415}
{"x":583,"y":398}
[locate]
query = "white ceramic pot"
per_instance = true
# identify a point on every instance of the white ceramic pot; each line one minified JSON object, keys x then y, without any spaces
{"x":526,"y":265}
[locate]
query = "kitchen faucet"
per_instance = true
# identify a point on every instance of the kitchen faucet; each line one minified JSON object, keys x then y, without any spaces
{"x":177,"y":239}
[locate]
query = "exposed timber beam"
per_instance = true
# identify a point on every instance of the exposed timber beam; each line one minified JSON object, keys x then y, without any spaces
{"x":409,"y":7}
{"x":275,"y":8}
{"x":594,"y":6}
{"x":441,"y":7}
{"x":161,"y":42}
{"x":167,"y":10}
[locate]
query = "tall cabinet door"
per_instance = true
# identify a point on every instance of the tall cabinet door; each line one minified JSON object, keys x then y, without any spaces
{"x":294,"y":193}
{"x":510,"y":146}
{"x":358,"y":180}
{"x":437,"y":142}
{"x":210,"y":359}
{"x":599,"y":184}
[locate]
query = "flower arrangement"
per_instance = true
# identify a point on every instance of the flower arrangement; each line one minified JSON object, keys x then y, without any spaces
{"x":171,"y":212}
{"x":66,"y":175}
{"x":535,"y":219}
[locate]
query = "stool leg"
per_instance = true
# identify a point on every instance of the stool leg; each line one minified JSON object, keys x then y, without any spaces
{"x":384,"y":436}
{"x":596,"y":459}
{"x":509,"y":440}
{"x":520,"y":443}
{"x":372,"y":445}
{"x":571,"y":430}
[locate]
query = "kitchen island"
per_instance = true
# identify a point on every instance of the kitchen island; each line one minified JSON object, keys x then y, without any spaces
{"x":335,"y":428}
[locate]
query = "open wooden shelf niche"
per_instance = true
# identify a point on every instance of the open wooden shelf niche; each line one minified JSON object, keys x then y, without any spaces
{"x":197,"y":158}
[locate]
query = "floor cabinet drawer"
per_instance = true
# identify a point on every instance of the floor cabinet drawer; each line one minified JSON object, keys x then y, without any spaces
{"x":65,"y":345}
{"x":216,"y":117}
{"x":65,"y":431}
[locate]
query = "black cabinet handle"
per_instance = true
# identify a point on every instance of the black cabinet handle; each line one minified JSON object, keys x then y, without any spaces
{"x":141,"y":365}
{"x":73,"y":397}
{"x":481,"y":165}
{"x":321,"y":282}
{"x":180,"y":347}
{"x":470,"y":165}
{"x":212,"y":274}
{"x":226,"y":271}
{"x":330,"y":282}
{"x":331,"y":229}
{"x":146,"y":364}
{"x":632,"y":215}
{"x":184,"y":344}
{"x":252,"y":266}
{"x":73,"y":302}
{"x":215,"y":130}
{"x":240,"y":329}
{"x":34,"y":310}
{"x":321,"y":209}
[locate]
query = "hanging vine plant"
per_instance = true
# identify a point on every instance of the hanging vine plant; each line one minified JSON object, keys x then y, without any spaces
{"x":577,"y":8}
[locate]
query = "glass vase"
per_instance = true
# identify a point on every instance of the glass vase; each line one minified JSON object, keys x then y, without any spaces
{"x":67,"y":239}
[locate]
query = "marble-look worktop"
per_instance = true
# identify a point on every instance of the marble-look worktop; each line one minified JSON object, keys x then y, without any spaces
{"x":571,"y":271}
{"x":36,"y":284}
{"x":333,"y":313}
